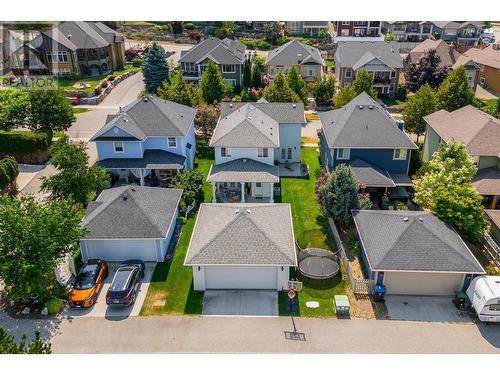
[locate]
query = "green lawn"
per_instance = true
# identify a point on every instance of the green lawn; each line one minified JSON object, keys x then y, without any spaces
{"x":67,"y":84}
{"x":171,"y":291}
{"x":330,"y":63}
{"x":311,"y":230}
{"x":393,"y":101}
{"x":77,"y":110}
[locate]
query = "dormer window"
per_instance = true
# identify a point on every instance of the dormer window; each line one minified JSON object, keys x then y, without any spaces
{"x":172,"y":142}
{"x":118,"y":145}
{"x":228,"y":68}
{"x":400,"y":154}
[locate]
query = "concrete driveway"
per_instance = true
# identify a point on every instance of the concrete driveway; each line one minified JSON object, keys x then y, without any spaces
{"x":424,"y":308}
{"x":240,"y":302}
{"x":101,"y":309}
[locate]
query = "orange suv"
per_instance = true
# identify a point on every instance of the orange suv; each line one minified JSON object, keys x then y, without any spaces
{"x":88,"y":283}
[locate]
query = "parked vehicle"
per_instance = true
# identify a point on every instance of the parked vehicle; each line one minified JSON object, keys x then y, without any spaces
{"x":484,"y":293}
{"x":126,"y":283}
{"x":88,"y":283}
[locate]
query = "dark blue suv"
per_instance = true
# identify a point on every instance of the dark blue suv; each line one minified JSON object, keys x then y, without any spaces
{"x":126,"y":283}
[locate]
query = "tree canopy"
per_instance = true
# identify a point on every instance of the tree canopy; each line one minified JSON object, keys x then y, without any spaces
{"x":191,"y":181}
{"x":76,"y":180}
{"x":14,"y":109}
{"x":421,"y":104}
{"x":364,"y":82}
{"x":206,"y":120}
{"x":323,"y":90}
{"x":212,"y":85}
{"x":455,"y":91}
{"x":297,"y":84}
{"x":256,"y":76}
{"x":155,"y":68}
{"x":247,"y":73}
{"x":427,"y":69}
{"x":179,"y":91}
{"x":344,"y":96}
{"x":8,"y":344}
{"x":279,"y":91}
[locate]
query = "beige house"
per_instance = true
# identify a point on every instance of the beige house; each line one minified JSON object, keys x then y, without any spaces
{"x":480,"y":133}
{"x":488,"y":60}
{"x":307,"y":59}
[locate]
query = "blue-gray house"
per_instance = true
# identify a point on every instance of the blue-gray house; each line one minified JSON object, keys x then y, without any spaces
{"x":147,"y":142}
{"x":364,"y":136}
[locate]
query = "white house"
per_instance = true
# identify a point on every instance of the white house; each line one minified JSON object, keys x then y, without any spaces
{"x":130,"y":222}
{"x":242,"y":246}
{"x":250,"y":141}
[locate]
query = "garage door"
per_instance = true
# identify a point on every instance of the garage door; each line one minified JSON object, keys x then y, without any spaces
{"x":422,"y":283}
{"x":119,"y":250}
{"x":240,"y":278}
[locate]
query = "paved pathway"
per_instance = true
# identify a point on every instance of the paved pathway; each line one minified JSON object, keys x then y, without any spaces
{"x":185,"y":334}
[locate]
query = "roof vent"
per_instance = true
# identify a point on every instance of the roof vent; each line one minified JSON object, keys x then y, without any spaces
{"x":120,"y":109}
{"x":230,"y":105}
{"x":237,"y":211}
{"x":360,"y":107}
{"x":124,"y":197}
{"x":294,"y":105}
{"x":405,"y":219}
{"x":248,"y":211}
{"x":421,"y":219}
{"x":133,"y":189}
{"x":370,"y":107}
{"x":70,"y":36}
{"x":244,"y":160}
{"x":145,"y":99}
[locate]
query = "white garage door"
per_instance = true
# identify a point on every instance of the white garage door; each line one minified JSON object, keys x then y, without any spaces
{"x":241,"y":277}
{"x":423,"y":283}
{"x":120,"y":250}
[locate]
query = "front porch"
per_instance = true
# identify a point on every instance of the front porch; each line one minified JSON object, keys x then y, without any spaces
{"x":243,"y":192}
{"x":142,"y":177}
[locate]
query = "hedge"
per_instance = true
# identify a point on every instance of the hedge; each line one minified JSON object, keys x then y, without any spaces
{"x":25,"y":146}
{"x":9,"y":169}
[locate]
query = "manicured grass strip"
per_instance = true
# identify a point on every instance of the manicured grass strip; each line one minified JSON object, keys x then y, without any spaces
{"x":80,"y":110}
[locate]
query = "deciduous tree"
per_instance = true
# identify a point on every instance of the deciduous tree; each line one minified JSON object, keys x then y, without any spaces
{"x":364,"y":82}
{"x":323,"y":90}
{"x":344,"y":96}
{"x":14,"y":109}
{"x":191,"y":182}
{"x":8,"y":344}
{"x":206,"y":120}
{"x":421,"y":104}
{"x":427,"y":69}
{"x":455,"y":91}
{"x":179,"y":91}
{"x":297,"y":84}
{"x":279,"y":91}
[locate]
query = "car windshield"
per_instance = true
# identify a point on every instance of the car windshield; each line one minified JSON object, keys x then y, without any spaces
{"x":120,"y":281}
{"x":86,"y":278}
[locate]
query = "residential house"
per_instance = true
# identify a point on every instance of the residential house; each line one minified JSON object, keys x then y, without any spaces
{"x":463,"y":34}
{"x":307,"y":28}
{"x":480,"y":133}
{"x":147,"y":142}
{"x":488,"y":60}
{"x":414,"y":253}
{"x":366,"y":138}
{"x":381,"y":59}
{"x":242,"y":246}
{"x":307,"y":59}
{"x":351,"y":30}
{"x":130,"y":222}
{"x":449,"y":57}
{"x":228,"y":54}
{"x":250,"y":141}
{"x":89,"y":48}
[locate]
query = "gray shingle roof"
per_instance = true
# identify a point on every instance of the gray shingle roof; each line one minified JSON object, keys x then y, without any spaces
{"x":152,"y":159}
{"x":151,"y":116}
{"x":244,"y":170}
{"x":479,"y":131}
{"x":242,"y":234}
{"x":421,"y":243}
{"x":83,"y":35}
{"x":356,"y":54}
{"x":362,"y":123}
{"x":294,"y":53}
{"x":254,"y":124}
{"x":494,"y":216}
{"x":448,"y":55}
{"x":225,"y":51}
{"x":487,"y":181}
{"x":131,"y":212}
{"x":369,"y":174}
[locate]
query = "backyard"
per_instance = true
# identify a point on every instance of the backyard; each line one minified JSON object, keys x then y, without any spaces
{"x":170,"y":291}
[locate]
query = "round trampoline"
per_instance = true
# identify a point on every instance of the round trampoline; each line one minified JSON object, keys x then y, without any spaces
{"x":318,"y":264}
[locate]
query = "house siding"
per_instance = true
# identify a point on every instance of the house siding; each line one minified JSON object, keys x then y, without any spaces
{"x":105,"y":150}
{"x":244,"y":152}
{"x":431,"y":143}
{"x":382,"y":158}
{"x":487,"y":162}
{"x":289,"y":137}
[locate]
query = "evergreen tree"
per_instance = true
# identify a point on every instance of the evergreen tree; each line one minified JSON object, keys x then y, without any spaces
{"x":279,"y":91}
{"x":180,"y":91}
{"x":297,"y":84}
{"x":421,"y":104}
{"x":323,"y":90}
{"x":455,"y":91}
{"x":212,"y":85}
{"x":363,"y":82}
{"x":344,"y":96}
{"x":247,"y":73}
{"x":155,"y":68}
{"x":427,"y":69}
{"x":256,"y":76}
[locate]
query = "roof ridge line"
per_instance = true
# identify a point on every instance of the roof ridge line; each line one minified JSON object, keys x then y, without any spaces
{"x":159,"y":109}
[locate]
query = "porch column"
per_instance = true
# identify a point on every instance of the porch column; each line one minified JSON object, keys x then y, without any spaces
{"x":493,"y":202}
{"x":214,"y":199}
{"x":141,"y":174}
{"x":271,"y":197}
{"x":242,"y":192}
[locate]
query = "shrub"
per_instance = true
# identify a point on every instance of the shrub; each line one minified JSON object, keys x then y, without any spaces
{"x":188,"y":26}
{"x":353,"y":244}
{"x":104,"y":84}
{"x":401,"y":92}
{"x":492,"y":270}
{"x":97,"y":91}
{"x":195,"y":35}
{"x":136,"y":62}
{"x":24,"y":146}
{"x":249,"y":43}
{"x":54,"y":305}
{"x":280,"y":41}
{"x":74,"y":101}
{"x":131,"y":53}
{"x":111,"y":78}
{"x":263,"y":45}
{"x":9,"y":170}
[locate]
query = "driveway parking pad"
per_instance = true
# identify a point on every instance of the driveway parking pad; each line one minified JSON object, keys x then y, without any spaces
{"x":240,"y":302}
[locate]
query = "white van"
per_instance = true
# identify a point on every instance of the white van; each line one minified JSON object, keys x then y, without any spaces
{"x":484,"y":294}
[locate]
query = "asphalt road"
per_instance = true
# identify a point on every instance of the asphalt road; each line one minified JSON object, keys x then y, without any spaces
{"x":185,"y":334}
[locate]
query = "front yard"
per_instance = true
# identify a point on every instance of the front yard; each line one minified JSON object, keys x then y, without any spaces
{"x":92,"y":82}
{"x":170,"y":291}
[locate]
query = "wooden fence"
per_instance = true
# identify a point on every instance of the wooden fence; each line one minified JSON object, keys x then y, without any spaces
{"x":359,"y":286}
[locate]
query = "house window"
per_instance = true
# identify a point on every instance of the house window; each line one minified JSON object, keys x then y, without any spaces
{"x":263,"y":152}
{"x":283,"y":153}
{"x":399,"y":154}
{"x":225,"y":152}
{"x":345,"y":23}
{"x":393,"y":74}
{"x":118,"y":145}
{"x":289,"y":153}
{"x":228,"y":69}
{"x":189,"y":67}
{"x":343,"y":154}
{"x":172,"y":142}
{"x":258,"y":184}
{"x":348,"y":73}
